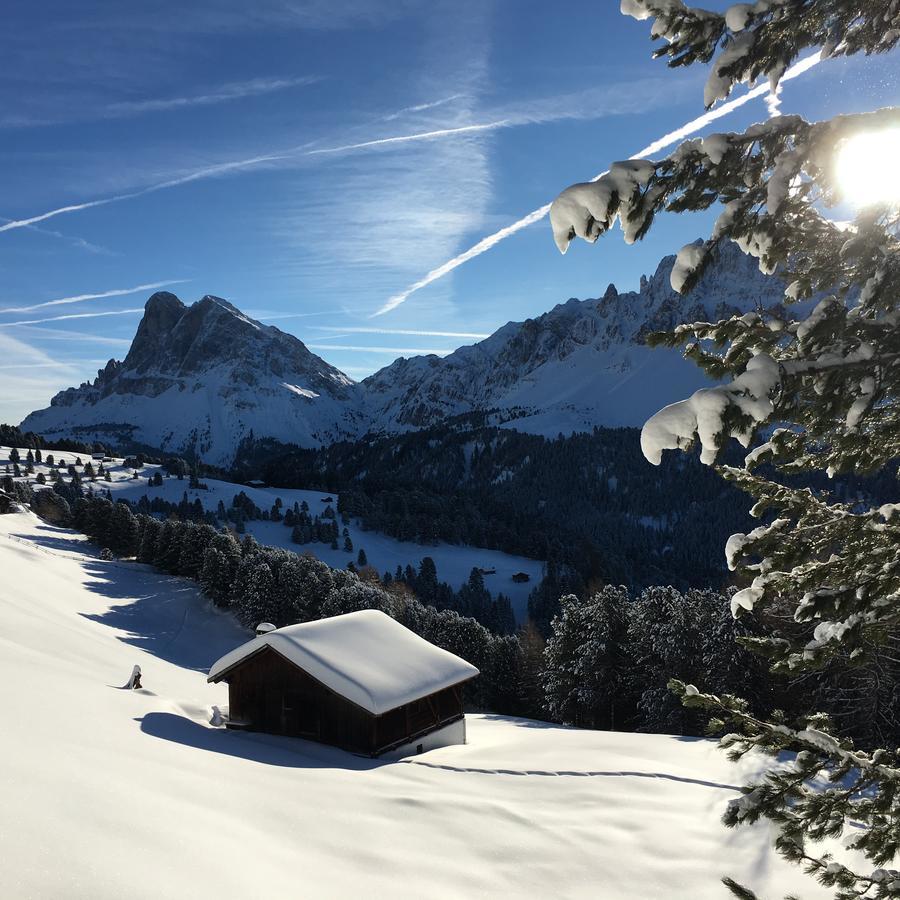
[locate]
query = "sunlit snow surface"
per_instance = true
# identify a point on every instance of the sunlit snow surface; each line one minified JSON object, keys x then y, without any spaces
{"x":109,"y":793}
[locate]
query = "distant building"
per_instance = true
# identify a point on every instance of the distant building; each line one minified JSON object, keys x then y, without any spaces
{"x":521,"y":577}
{"x":256,"y":482}
{"x":359,"y":681}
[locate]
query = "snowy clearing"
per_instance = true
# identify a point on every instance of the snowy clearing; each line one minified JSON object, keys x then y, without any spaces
{"x":454,"y":562}
{"x":110,"y":793}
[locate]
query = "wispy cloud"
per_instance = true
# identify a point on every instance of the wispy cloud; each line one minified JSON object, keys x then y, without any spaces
{"x":226,"y":93}
{"x":70,"y":239}
{"x":34,"y":376}
{"x":60,"y":334}
{"x":402,"y":351}
{"x":661,"y":143}
{"x":275,"y":317}
{"x":41,"y":365}
{"x":592,"y":104}
{"x":408,"y":331}
{"x":88,"y":315}
{"x":82,"y":298}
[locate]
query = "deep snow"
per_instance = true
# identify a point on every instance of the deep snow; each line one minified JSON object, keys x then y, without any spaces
{"x":110,"y":793}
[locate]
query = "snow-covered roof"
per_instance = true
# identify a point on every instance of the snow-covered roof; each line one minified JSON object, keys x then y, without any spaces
{"x":367,"y":657}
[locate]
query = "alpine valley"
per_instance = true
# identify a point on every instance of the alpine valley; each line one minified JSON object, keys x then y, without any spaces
{"x":200,"y":380}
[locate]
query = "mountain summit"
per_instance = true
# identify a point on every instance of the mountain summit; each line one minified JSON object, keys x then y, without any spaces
{"x":200,"y":378}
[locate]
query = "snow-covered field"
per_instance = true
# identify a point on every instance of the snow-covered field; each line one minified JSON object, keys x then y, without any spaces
{"x":454,"y":562}
{"x":110,"y":793}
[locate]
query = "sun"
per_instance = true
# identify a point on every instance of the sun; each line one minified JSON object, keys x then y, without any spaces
{"x":868,"y":168}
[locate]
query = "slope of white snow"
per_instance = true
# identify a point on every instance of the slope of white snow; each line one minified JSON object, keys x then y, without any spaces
{"x":111,"y":793}
{"x":365,"y":656}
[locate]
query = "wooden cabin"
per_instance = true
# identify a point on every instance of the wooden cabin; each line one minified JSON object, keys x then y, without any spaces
{"x":361,"y":681}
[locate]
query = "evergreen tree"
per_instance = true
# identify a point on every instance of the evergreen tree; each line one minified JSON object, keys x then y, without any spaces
{"x":827,"y":374}
{"x":220,"y":564}
{"x":585,"y":662}
{"x":361,"y":558}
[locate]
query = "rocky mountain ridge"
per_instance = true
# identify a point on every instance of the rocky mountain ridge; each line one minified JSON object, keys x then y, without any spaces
{"x":200,"y":379}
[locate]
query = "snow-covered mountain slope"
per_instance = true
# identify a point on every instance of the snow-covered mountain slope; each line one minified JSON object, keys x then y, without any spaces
{"x":111,"y":793}
{"x":199,"y":379}
{"x":582,"y":364}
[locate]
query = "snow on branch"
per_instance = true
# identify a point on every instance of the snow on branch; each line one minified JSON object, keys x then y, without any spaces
{"x":714,"y":414}
{"x":757,"y":41}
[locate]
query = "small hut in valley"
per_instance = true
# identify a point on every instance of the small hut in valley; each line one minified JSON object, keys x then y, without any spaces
{"x":360,"y":681}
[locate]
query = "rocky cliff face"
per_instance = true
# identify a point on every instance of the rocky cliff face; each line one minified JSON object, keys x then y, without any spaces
{"x":200,"y":378}
{"x":584,"y":363}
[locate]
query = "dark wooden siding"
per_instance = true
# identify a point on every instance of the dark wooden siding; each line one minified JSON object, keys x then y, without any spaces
{"x":270,"y":694}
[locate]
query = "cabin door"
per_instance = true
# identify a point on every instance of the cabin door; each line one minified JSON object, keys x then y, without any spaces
{"x":299,"y":714}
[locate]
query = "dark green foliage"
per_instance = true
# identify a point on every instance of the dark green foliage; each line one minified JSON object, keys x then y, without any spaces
{"x":589,"y":504}
{"x":826,"y":566}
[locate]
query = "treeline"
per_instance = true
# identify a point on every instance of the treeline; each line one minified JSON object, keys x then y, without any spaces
{"x":473,"y":599}
{"x":605,"y":664}
{"x":588,"y":504}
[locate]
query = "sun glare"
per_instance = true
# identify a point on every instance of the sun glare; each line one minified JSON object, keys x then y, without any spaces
{"x":868,"y":168}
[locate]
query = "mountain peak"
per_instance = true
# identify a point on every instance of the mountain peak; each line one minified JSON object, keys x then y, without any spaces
{"x":201,"y":378}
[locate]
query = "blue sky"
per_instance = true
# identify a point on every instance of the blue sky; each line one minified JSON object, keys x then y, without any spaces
{"x":242,"y":139}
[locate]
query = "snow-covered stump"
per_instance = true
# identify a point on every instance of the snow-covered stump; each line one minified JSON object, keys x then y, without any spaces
{"x":134,"y":683}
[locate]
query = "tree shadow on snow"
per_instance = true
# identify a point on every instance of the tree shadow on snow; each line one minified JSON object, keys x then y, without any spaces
{"x":161,"y":615}
{"x":51,"y":537}
{"x":267,"y":749}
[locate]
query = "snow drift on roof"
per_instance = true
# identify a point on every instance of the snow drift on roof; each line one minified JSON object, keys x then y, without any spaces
{"x":367,"y":657}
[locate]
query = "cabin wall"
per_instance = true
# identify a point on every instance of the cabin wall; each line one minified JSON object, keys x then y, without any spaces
{"x":418,"y":717}
{"x":269,"y":694}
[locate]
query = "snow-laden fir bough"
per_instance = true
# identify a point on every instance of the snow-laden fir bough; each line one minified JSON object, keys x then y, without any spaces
{"x":826,"y":370}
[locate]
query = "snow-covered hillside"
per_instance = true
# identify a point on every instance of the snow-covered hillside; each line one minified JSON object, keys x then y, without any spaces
{"x":110,"y":793}
{"x":199,"y":379}
{"x":454,"y":562}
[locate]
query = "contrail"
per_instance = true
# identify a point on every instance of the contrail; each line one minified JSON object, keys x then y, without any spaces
{"x":421,"y":107}
{"x":238,"y":165}
{"x":90,"y":315}
{"x":118,"y":198}
{"x":666,"y":140}
{"x":419,"y":136}
{"x":81,"y":298}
